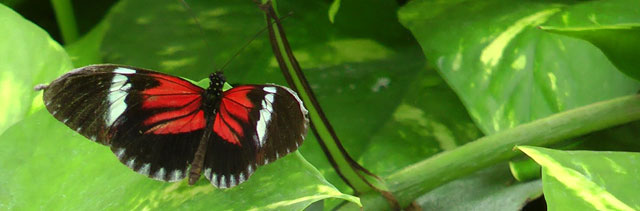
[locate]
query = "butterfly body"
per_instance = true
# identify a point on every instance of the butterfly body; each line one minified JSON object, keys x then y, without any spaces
{"x":167,"y":128}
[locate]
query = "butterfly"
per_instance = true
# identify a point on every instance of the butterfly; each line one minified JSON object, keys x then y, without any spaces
{"x":167,"y":128}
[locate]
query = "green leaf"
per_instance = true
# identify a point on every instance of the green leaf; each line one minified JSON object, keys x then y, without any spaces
{"x":430,"y":119}
{"x":58,"y":169}
{"x":488,"y":189}
{"x":612,"y":26}
{"x":86,"y":50}
{"x":588,"y":180}
{"x":30,"y":57}
{"x":162,"y":35}
{"x":505,"y":70}
{"x":620,"y":138}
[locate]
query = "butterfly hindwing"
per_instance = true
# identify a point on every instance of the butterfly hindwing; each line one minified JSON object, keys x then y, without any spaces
{"x":160,"y":125}
{"x":152,"y":121}
{"x":255,"y":125}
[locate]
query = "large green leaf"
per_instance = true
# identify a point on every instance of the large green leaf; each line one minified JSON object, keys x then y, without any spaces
{"x":58,"y":169}
{"x":612,"y":26}
{"x":505,"y":70}
{"x":86,"y":50}
{"x":489,"y":189}
{"x":587,"y":180}
{"x":429,"y":120}
{"x":29,"y":57}
{"x":163,"y":36}
{"x":620,"y":138}
{"x":37,"y":176}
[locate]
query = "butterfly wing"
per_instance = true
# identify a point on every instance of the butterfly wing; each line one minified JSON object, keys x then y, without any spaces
{"x":152,"y":121}
{"x":255,"y":125}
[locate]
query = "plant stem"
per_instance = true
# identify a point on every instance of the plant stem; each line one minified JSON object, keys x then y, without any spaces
{"x":356,"y":176}
{"x":415,"y":180}
{"x":66,"y":20}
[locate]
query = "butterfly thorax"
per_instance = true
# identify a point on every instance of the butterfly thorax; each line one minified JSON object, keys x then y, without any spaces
{"x":213,"y":94}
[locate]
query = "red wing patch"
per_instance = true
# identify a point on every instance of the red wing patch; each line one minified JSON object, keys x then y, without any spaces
{"x":184,"y":124}
{"x":233,"y":113}
{"x":180,"y":102}
{"x":172,"y":92}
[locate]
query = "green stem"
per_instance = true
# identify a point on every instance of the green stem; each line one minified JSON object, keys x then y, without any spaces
{"x":356,"y":176}
{"x":320,"y":126}
{"x":417,"y":179}
{"x":66,"y":20}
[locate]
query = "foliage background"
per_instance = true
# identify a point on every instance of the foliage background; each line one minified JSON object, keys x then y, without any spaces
{"x":399,"y":81}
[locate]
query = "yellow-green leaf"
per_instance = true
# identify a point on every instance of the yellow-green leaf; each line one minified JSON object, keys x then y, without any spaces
{"x":588,"y":180}
{"x":28,"y":56}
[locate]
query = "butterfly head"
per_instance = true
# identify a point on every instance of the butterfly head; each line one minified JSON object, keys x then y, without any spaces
{"x":217,"y":81}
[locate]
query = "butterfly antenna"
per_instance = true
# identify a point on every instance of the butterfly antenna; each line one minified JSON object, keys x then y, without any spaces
{"x":195,"y":19}
{"x":241,"y":49}
{"x":249,"y":42}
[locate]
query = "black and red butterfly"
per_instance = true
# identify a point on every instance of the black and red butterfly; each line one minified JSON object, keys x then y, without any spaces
{"x":167,"y":128}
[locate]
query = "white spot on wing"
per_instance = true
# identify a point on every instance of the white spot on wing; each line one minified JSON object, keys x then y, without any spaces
{"x":265,"y":115}
{"x":269,"y":89}
{"x":124,"y":70}
{"x":207,"y":173}
{"x":241,"y":178}
{"x":131,"y":162}
{"x":159,"y":175}
{"x":214,"y":180}
{"x":261,"y":127}
{"x":269,"y":97}
{"x":232,"y":181}
{"x":223,"y":182}
{"x":126,"y":87}
{"x":175,"y":175}
{"x":120,"y":153}
{"x":117,"y":82}
{"x":267,"y":105}
{"x":145,"y":169}
{"x":117,"y":94}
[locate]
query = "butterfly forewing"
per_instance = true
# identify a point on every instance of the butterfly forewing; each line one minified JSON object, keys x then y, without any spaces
{"x":152,"y":121}
{"x":255,"y":125}
{"x":157,"y":123}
